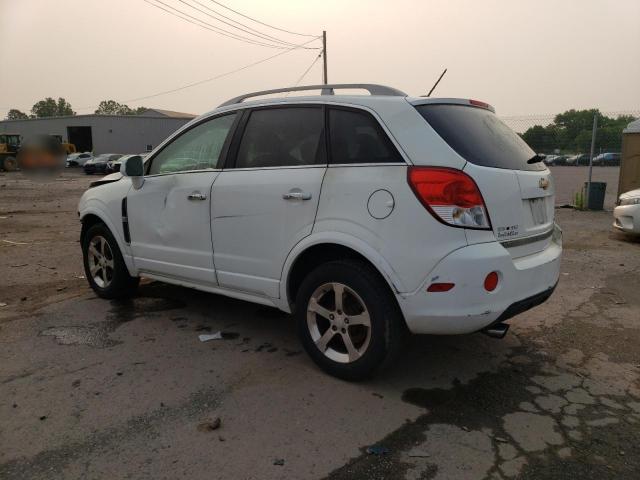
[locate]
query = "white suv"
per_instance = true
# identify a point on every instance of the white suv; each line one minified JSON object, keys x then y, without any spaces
{"x":364,"y":215}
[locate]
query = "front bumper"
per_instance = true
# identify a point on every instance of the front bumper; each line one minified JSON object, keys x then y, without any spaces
{"x":523,"y":283}
{"x":627,"y":218}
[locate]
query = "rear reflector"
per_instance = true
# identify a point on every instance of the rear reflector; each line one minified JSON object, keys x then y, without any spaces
{"x":440,"y":287}
{"x":450,"y":195}
{"x":491,"y":282}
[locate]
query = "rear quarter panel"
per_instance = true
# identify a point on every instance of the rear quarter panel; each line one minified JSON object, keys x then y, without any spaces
{"x":409,"y":239}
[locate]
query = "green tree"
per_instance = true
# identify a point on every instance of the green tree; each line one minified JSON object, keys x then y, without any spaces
{"x":571,"y":132}
{"x":50,"y":108}
{"x":542,"y":139}
{"x":111,"y":107}
{"x":15,"y":114}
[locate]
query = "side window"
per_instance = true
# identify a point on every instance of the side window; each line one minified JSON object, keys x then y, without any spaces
{"x":282,"y":137}
{"x":356,"y":137}
{"x":196,"y":149}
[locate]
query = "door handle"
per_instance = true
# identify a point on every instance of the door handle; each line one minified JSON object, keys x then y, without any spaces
{"x":197,"y":196}
{"x":296,"y":196}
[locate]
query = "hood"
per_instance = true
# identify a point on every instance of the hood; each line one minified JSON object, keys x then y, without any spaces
{"x":114,"y":177}
{"x":631,"y":193}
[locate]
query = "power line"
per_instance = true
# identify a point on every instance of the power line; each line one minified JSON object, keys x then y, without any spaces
{"x":258,"y":21}
{"x":305,"y":72}
{"x":246,"y":29}
{"x":200,"y":82}
{"x":209,"y":26}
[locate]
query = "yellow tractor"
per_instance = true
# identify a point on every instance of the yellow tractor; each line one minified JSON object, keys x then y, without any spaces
{"x":9,"y":146}
{"x":68,"y":147}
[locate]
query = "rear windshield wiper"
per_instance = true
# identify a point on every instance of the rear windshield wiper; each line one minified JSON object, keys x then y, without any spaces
{"x":536,"y":158}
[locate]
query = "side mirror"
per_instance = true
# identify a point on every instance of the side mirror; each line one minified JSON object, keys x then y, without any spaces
{"x":134,"y":167}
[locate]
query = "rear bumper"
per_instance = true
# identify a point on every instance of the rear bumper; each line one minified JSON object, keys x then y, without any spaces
{"x":523,"y":283}
{"x":627,"y":218}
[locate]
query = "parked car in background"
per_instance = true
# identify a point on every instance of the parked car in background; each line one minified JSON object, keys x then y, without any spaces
{"x":555,"y":160}
{"x":607,"y":159}
{"x":78,"y":159}
{"x":114,"y":165}
{"x":570,"y":159}
{"x":98,"y":164}
{"x":581,"y":159}
{"x":363,"y":215}
{"x":560,"y":160}
{"x":627,"y":214}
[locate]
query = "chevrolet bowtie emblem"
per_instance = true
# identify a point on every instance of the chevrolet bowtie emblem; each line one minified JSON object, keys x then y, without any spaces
{"x":543,"y":183}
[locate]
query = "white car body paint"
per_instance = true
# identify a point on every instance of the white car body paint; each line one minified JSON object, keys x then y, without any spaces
{"x":171,"y":232}
{"x":254,"y":227}
{"x":627,"y":214}
{"x":243,"y":240}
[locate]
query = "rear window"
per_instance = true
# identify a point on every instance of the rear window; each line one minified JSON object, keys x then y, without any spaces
{"x":479,"y":136}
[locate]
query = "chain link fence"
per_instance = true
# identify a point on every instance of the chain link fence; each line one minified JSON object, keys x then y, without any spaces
{"x":565,"y":138}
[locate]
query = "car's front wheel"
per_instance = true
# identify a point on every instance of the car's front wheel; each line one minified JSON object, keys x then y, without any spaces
{"x":104,"y":266}
{"x":348,"y":320}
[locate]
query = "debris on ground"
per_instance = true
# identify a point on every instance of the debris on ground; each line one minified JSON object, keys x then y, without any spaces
{"x":2,"y":304}
{"x":212,"y":336}
{"x":230,"y":335}
{"x":210,"y":425}
{"x":416,"y":454}
{"x":279,"y":461}
{"x":10,"y":242}
{"x":377,"y":450}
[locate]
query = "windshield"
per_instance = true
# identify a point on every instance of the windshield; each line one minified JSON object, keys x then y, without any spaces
{"x":479,"y":136}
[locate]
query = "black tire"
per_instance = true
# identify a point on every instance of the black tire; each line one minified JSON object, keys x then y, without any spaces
{"x":10,"y":164}
{"x":387,"y":327}
{"x":120,"y":283}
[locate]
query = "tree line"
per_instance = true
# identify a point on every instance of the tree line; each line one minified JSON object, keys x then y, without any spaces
{"x":50,"y":107}
{"x":570,"y":132}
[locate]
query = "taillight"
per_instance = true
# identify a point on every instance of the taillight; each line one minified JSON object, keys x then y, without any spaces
{"x":450,"y":195}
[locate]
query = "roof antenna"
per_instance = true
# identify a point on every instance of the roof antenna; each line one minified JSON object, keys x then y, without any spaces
{"x":437,"y":82}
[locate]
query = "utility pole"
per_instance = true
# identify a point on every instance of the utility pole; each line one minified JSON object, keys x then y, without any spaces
{"x":593,"y":144}
{"x":324,"y":57}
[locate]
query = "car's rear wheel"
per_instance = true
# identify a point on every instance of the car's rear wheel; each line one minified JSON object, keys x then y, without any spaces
{"x":104,"y":266}
{"x":348,"y":320}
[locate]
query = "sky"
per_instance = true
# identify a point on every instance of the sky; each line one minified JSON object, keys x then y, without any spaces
{"x":525,"y":57}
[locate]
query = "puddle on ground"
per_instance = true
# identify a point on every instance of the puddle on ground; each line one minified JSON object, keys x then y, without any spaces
{"x":523,"y":420}
{"x":97,"y":334}
{"x":94,"y":335}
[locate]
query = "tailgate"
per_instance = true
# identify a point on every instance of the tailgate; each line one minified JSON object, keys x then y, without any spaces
{"x":520,"y":205}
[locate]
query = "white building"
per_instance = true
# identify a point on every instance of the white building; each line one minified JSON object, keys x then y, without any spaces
{"x":104,"y":133}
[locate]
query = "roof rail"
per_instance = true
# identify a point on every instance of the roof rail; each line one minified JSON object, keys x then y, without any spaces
{"x":327,"y":89}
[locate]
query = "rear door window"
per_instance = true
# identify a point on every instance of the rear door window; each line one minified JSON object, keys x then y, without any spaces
{"x":282,"y":137}
{"x":356,"y":137}
{"x":479,"y":136}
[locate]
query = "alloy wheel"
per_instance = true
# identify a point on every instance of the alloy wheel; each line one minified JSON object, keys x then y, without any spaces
{"x":339,"y":322}
{"x":101,"y":263}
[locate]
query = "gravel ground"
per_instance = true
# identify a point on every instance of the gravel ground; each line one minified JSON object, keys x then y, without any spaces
{"x":97,"y":389}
